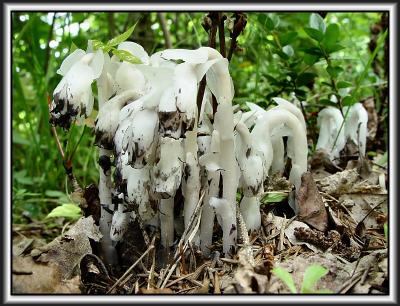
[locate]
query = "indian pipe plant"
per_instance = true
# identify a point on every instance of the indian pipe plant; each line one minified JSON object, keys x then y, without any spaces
{"x":153,"y":138}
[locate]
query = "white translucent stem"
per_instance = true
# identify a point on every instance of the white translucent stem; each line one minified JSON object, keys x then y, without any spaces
{"x":166,"y":213}
{"x":250,"y":210}
{"x":224,"y":125}
{"x":105,"y":185}
{"x":208,"y":214}
{"x":278,"y":162}
{"x":276,"y":117}
{"x":229,"y":230}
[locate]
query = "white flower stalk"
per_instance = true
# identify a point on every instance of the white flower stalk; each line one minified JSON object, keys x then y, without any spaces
{"x":167,"y":172}
{"x":330,"y":120}
{"x":137,"y":190}
{"x":250,"y":163}
{"x":73,"y":98}
{"x":108,"y":117}
{"x":293,"y":109}
{"x":191,"y":178}
{"x":120,"y":222}
{"x":356,"y":126}
{"x":209,"y":181}
{"x":166,"y":215}
{"x":278,"y":147}
{"x":262,"y":131}
{"x":105,"y":90}
{"x":140,"y":138}
{"x":225,"y":213}
{"x":223,"y":123}
{"x":250,"y":210}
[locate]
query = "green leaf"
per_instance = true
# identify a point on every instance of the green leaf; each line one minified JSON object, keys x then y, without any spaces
{"x":283,"y":55}
{"x":334,"y":48}
{"x":54,"y":194}
{"x":348,"y":101}
{"x":73,"y":47}
{"x":286,"y":278}
{"x":274,"y":197}
{"x":301,"y":94}
{"x":18,"y":139}
{"x":312,"y":51}
{"x":68,"y":210}
{"x":122,"y":37}
{"x":334,"y":71}
{"x":327,"y":102}
{"x":305,"y":78}
{"x":272,"y":21}
{"x":311,"y":276}
{"x":288,"y":50}
{"x":343,"y":84}
{"x":97,"y":44}
{"x":287,"y":38}
{"x":379,"y":45}
{"x":314,"y":33}
{"x":331,"y":35}
{"x":317,"y":23}
{"x":126,"y":56}
{"x":310,"y":59}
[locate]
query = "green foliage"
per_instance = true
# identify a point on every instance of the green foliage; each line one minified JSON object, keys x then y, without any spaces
{"x":286,"y":278}
{"x":311,"y":277}
{"x":274,"y":197}
{"x":112,"y":43}
{"x":68,"y":210}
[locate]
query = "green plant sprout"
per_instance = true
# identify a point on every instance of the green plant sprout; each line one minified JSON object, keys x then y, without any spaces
{"x":311,"y":276}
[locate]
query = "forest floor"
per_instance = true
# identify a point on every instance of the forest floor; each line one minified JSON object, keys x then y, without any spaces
{"x":340,"y":231}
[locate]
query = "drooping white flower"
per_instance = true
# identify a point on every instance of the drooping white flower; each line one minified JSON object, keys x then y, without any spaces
{"x":330,"y":120}
{"x":73,"y":98}
{"x":167,"y":172}
{"x":108,"y":117}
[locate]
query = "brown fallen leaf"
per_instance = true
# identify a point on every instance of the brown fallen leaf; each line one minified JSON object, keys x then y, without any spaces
{"x":311,"y":207}
{"x":66,"y":251}
{"x":30,"y":277}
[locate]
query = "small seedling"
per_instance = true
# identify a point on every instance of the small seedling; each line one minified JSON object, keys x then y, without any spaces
{"x":311,"y":276}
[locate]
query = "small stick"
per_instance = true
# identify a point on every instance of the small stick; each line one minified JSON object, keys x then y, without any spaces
{"x":130,"y":269}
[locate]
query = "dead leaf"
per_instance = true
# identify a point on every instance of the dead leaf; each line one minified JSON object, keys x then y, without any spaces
{"x":310,"y":203}
{"x":339,"y":183}
{"x":23,"y":246}
{"x":66,"y":251}
{"x":42,"y":278}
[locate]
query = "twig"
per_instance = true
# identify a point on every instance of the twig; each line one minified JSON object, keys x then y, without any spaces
{"x":221,"y":33}
{"x":111,"y":24}
{"x":184,"y":238}
{"x":130,"y":269}
{"x":238,"y":27}
{"x":164,"y":28}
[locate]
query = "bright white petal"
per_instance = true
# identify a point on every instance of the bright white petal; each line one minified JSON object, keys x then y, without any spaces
{"x":97,"y":63}
{"x":189,"y":56}
{"x":136,"y":50}
{"x":70,"y":60}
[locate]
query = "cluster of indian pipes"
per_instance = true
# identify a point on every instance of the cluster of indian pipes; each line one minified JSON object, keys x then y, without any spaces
{"x":154,"y":138}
